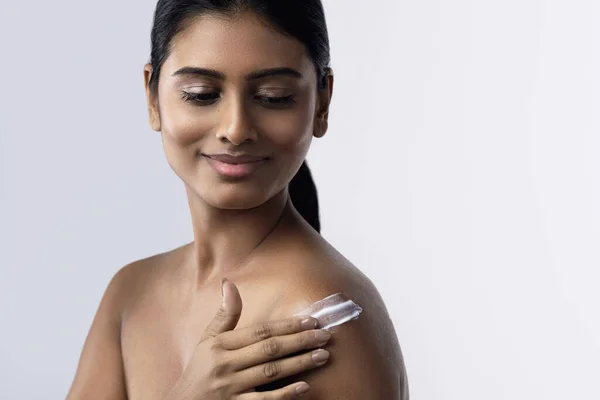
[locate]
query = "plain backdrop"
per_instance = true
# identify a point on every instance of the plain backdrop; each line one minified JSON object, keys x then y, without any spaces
{"x":460,"y":173}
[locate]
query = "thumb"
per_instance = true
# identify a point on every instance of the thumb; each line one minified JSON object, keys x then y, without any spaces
{"x":228,"y":314}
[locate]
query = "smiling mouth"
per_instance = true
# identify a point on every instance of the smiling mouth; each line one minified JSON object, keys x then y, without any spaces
{"x":238,"y":167}
{"x":235,"y":160}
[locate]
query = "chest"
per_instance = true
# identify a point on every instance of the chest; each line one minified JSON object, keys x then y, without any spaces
{"x":160,"y":333}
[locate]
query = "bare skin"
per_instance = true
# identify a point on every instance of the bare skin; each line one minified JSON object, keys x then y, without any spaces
{"x":156,"y":309}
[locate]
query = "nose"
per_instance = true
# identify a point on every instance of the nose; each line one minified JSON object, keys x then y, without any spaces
{"x":236,"y":123}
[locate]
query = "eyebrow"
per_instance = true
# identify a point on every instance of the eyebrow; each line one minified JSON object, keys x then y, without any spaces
{"x":263,"y":73}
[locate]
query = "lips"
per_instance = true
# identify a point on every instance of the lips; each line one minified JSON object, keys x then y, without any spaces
{"x":239,"y":159}
{"x":240,"y":166}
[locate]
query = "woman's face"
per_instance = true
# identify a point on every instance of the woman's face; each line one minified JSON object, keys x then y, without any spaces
{"x":235,"y":87}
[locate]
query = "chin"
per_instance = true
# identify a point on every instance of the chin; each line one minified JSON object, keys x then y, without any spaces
{"x":237,"y":196}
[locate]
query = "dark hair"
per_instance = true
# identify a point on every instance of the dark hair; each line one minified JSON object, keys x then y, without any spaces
{"x":301,"y":19}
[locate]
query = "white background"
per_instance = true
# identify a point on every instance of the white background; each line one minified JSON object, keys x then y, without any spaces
{"x":460,"y":173}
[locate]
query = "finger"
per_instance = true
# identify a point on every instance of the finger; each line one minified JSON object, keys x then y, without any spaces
{"x":228,"y":314}
{"x":233,"y":340}
{"x":292,"y":391}
{"x":277,"y":347}
{"x":274,"y":370}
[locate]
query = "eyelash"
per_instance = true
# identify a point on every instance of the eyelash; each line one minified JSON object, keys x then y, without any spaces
{"x":200,"y":99}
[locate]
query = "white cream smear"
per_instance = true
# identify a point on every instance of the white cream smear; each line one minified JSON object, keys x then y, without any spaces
{"x":332,"y":311}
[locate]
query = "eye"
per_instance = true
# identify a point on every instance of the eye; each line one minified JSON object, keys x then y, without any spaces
{"x":200,"y":99}
{"x":275,"y":102}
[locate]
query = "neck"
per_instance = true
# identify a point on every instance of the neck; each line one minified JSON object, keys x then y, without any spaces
{"x":224,"y":239}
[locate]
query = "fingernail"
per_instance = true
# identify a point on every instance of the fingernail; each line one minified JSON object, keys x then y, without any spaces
{"x":322,"y":336}
{"x":223,"y":294}
{"x":308,"y":323}
{"x":320,"y":356}
{"x":302,"y":388}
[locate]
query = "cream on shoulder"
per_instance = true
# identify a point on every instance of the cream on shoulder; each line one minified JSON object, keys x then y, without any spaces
{"x":333,"y":310}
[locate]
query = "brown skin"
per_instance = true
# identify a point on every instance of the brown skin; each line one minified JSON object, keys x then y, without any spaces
{"x":155,"y":310}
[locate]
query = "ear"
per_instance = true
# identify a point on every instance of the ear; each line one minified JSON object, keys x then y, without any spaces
{"x":323,"y":101}
{"x":152,"y":101}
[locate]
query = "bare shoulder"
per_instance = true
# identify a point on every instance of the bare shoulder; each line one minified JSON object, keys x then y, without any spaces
{"x":318,"y":270}
{"x":141,"y":277}
{"x":366,"y":360}
{"x":100,"y":372}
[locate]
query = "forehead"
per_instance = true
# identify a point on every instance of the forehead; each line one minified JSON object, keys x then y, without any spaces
{"x":236,"y":45}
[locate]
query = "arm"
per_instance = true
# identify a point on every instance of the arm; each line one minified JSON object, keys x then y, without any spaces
{"x":365,"y":358}
{"x":365,"y":363}
{"x":100,"y":373}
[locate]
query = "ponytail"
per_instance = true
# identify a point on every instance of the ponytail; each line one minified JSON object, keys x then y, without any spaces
{"x":303,"y":193}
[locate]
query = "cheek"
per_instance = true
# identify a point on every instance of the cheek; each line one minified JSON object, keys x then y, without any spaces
{"x":181,"y":129}
{"x":182,"y":124}
{"x":289,"y":132}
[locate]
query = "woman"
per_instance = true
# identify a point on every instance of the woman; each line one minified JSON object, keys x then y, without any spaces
{"x":238,"y":88}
